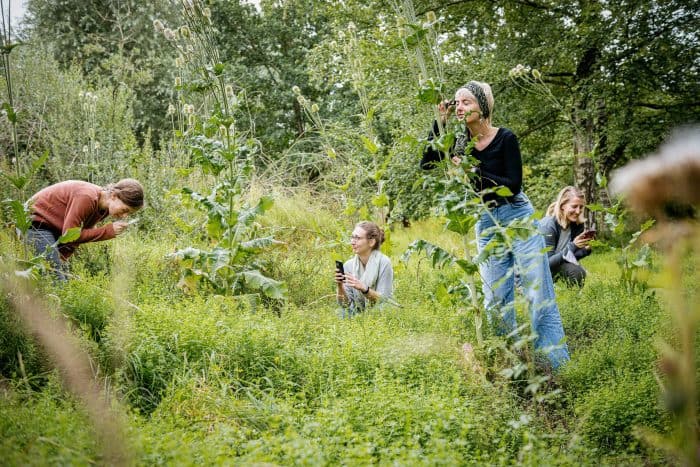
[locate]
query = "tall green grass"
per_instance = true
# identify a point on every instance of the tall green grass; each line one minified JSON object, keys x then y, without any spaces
{"x":220,"y":380}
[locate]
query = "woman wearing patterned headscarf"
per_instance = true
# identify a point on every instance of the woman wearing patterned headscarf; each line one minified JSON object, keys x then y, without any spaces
{"x":500,"y":164}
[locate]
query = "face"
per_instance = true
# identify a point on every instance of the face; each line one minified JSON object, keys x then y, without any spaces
{"x":360,"y":243}
{"x":117,"y":208}
{"x":572,"y":209}
{"x":466,"y":107}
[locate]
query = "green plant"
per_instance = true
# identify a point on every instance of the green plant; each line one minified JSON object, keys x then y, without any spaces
{"x":635,"y":262}
{"x":233,"y":265}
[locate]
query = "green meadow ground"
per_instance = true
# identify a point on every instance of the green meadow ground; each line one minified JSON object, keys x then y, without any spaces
{"x":203,"y":379}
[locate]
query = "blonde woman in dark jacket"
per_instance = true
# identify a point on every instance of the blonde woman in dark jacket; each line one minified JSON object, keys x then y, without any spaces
{"x":565,"y":236}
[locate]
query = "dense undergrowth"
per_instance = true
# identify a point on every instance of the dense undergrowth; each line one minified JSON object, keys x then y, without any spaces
{"x":206,"y":379}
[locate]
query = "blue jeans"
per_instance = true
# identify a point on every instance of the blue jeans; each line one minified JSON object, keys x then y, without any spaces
{"x":527,"y":259}
{"x":43,"y":241}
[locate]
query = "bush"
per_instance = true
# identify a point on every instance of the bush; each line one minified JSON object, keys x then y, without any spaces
{"x":610,"y":412}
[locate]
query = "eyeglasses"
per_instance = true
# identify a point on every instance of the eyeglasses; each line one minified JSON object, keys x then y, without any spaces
{"x":355,"y":238}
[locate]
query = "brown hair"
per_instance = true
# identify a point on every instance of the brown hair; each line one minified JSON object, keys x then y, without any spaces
{"x":373,"y":231}
{"x":565,"y":195}
{"x":129,"y":191}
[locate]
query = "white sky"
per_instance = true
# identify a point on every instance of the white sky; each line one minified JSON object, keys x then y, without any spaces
{"x":16,"y":9}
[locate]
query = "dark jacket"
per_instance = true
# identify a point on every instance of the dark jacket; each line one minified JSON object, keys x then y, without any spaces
{"x":550,"y":229}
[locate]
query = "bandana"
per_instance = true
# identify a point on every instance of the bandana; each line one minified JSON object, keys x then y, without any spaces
{"x":480,"y":95}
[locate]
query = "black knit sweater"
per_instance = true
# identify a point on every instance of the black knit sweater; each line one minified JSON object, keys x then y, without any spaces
{"x":500,"y":163}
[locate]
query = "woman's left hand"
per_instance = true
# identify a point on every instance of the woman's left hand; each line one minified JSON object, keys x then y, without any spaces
{"x":119,"y":227}
{"x":354,"y":282}
{"x":582,"y":241}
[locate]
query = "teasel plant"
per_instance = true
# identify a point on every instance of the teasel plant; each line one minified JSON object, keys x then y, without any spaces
{"x":212,"y":106}
{"x":664,"y":185}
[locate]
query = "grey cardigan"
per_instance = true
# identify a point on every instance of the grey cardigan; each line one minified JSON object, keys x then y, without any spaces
{"x":384,"y":285}
{"x":550,"y":229}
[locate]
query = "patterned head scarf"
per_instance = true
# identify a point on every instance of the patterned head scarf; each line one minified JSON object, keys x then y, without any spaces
{"x":478,"y":92}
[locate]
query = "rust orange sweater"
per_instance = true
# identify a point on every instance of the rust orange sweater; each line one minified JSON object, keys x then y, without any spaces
{"x":72,"y":204}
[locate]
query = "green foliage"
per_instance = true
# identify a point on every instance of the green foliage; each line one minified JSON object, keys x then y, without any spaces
{"x":16,"y":344}
{"x":115,"y":47}
{"x":69,"y":129}
{"x":636,"y":263}
{"x":233,"y":266}
{"x":216,"y":379}
{"x":611,"y":411}
{"x":26,"y":438}
{"x":88,"y":305}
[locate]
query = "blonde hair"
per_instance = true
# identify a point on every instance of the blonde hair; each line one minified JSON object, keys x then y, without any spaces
{"x":488,"y":93}
{"x":565,"y":195}
{"x":373,"y":231}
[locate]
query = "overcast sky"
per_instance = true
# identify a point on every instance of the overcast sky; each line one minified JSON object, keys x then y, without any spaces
{"x":17,"y":10}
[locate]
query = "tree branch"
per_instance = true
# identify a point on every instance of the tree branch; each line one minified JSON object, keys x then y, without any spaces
{"x":545,"y":124}
{"x":654,"y":106}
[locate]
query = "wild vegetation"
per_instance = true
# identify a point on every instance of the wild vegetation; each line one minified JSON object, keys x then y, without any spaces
{"x":209,"y":333}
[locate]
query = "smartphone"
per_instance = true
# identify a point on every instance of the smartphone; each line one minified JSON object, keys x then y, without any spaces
{"x":589,"y":233}
{"x":339,"y":268}
{"x":133,"y":221}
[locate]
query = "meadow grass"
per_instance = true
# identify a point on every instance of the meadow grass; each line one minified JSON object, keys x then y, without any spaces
{"x":217,"y":380}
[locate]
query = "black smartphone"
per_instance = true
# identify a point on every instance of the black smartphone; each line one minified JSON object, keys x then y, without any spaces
{"x":589,"y":233}
{"x":339,"y":268}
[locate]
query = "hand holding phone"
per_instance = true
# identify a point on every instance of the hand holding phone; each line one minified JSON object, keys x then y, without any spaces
{"x":339,"y":268}
{"x":589,"y":234}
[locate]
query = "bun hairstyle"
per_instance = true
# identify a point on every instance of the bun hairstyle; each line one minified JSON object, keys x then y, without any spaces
{"x":129,"y":191}
{"x":373,"y":231}
{"x":565,"y":195}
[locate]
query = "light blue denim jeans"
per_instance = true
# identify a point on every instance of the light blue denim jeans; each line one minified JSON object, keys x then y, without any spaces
{"x":529,"y":262}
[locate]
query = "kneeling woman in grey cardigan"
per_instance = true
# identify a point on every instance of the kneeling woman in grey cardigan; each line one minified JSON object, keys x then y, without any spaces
{"x":368,"y":276}
{"x":564,"y":235}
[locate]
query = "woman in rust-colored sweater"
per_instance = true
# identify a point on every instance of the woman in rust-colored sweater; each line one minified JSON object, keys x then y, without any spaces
{"x":60,"y":207}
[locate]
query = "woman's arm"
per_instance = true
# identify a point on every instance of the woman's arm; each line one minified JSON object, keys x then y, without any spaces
{"x":549,"y":231}
{"x":340,"y":293}
{"x":80,"y":208}
{"x":431,"y":156}
{"x":385,"y":283}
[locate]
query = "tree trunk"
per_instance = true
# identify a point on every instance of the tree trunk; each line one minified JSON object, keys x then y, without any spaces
{"x":584,"y":168}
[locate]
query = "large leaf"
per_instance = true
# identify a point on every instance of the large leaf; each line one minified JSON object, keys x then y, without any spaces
{"x":257,"y":244}
{"x":18,"y":182}
{"x":71,"y":235}
{"x":9,"y":112}
{"x":467,"y":266}
{"x":20,"y":212}
{"x":430,"y":92}
{"x":459,"y":223}
{"x":370,"y":145}
{"x":270,"y":287}
{"x":437,"y":255}
{"x":247,"y":215}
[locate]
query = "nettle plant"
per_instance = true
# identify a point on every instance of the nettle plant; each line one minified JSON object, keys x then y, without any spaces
{"x":233,"y":265}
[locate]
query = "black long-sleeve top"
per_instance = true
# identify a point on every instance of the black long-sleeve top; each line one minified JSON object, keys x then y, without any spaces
{"x":500,"y":163}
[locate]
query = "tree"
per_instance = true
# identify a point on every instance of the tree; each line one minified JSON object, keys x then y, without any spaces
{"x":113,"y":42}
{"x":614,"y":68}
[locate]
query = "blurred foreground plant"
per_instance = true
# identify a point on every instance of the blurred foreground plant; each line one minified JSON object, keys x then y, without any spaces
{"x":663,"y":186}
